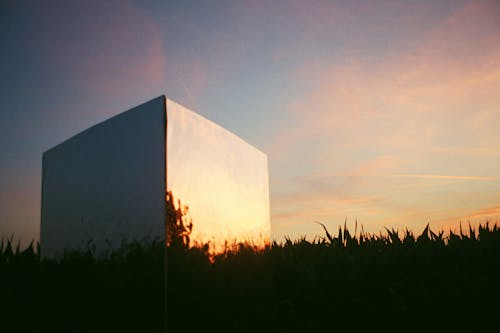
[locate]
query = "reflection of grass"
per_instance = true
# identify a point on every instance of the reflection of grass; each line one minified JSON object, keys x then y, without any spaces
{"x":179,"y":227}
{"x":341,"y":280}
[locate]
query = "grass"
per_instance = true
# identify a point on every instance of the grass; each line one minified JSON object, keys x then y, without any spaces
{"x":388,"y":280}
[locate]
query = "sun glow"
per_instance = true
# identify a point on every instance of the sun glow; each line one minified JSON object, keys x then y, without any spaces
{"x":222,"y":179}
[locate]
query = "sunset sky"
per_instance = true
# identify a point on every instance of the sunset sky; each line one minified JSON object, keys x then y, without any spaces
{"x":387,"y":112}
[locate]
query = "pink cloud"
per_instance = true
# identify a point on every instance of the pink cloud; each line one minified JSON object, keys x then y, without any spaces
{"x":437,"y":98}
{"x":397,"y":102}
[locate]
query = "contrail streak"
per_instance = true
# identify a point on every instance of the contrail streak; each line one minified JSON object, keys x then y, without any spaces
{"x":424,"y":176}
{"x":188,"y":92}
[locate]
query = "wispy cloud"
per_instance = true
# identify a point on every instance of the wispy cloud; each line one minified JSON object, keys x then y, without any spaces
{"x":483,"y":213}
{"x":474,"y":217}
{"x":431,"y":105}
{"x":446,"y":177}
{"x":472,"y":151}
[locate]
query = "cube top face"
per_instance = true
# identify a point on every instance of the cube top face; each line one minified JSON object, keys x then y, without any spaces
{"x":108,"y":183}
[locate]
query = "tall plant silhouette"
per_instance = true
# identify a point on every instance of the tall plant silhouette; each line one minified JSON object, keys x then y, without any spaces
{"x":178,"y":227}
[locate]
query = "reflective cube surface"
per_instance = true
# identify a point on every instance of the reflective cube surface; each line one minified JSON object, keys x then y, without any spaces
{"x":108,"y":183}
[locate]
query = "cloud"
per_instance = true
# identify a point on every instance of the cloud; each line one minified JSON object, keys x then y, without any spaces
{"x":404,"y":99}
{"x":474,"y":217}
{"x":407,"y":100}
{"x":333,"y":188}
{"x":483,"y":213}
{"x":467,"y":151}
{"x":418,"y":111}
{"x":446,"y":177}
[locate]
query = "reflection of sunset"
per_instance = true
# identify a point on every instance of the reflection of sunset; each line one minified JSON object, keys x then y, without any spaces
{"x":220,"y":177}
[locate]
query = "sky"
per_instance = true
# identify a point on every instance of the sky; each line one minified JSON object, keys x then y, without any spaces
{"x":384,"y":112}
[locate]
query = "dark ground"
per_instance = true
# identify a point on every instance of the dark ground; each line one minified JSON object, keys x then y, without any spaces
{"x":385,"y":282}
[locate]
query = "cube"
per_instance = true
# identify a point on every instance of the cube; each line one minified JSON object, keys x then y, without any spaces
{"x":109,"y":183}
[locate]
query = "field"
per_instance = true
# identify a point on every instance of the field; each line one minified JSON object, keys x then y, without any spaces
{"x":386,"y":281}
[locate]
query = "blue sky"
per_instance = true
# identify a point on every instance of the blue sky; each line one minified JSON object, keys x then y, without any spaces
{"x":387,"y":112}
